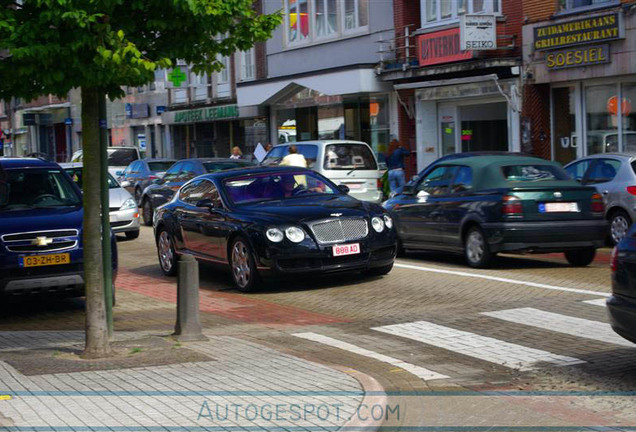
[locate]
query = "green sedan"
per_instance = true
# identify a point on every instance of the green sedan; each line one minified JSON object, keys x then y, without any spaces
{"x":482,"y":205}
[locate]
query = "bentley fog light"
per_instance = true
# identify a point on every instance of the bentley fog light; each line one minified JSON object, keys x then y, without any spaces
{"x":388,"y":221}
{"x":295,"y":234}
{"x":377,"y":223}
{"x":274,"y":235}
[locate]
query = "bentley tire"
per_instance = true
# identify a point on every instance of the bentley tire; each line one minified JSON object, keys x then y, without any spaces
{"x":243,"y":265}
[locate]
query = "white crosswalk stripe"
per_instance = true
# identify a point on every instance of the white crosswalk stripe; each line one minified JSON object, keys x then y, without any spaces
{"x":477,"y":346}
{"x":573,"y":326}
{"x":418,"y":371}
{"x":596,"y":302}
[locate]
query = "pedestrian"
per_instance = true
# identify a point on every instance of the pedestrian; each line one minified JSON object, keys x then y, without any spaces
{"x":294,"y":158}
{"x":268,"y":147}
{"x":395,"y":163}
{"x":236,"y":153}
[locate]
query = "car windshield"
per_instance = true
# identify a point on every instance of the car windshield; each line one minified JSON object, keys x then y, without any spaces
{"x":37,"y":188}
{"x":225,"y":165}
{"x":276,"y":155}
{"x":121,"y":157}
{"x":76,"y":175}
{"x":275,"y":186}
{"x":160,"y":166}
{"x":348,"y":157}
{"x":533,"y":173}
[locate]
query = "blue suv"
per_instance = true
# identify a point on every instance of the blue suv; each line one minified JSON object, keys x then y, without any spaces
{"x":40,"y":230}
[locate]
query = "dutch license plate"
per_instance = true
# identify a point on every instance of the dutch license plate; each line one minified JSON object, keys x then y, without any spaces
{"x":559,"y":207}
{"x":354,"y":185}
{"x":45,"y":260}
{"x":350,"y":249}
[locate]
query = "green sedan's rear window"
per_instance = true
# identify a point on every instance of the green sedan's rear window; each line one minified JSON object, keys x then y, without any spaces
{"x":533,"y":173}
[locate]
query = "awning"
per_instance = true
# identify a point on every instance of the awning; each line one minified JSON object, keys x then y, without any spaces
{"x":270,"y":92}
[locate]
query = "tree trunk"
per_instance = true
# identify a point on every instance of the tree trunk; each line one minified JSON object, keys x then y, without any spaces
{"x":97,"y":344}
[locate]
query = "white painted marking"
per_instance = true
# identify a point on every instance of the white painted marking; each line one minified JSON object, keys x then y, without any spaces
{"x":418,"y":371}
{"x":578,"y":327}
{"x":499,"y":279}
{"x":596,"y":302}
{"x":474,"y":345}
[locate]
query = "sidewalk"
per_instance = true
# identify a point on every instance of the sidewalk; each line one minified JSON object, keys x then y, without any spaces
{"x":235,"y":385}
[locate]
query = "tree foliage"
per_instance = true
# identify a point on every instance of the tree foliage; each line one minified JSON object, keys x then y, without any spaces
{"x":51,"y":46}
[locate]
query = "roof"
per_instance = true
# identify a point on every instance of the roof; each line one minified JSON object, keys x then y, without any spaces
{"x":158,"y":160}
{"x":602,"y":155}
{"x":212,"y":159}
{"x":10,"y":163}
{"x":322,"y":142}
{"x":254,"y":171}
{"x":484,"y":161}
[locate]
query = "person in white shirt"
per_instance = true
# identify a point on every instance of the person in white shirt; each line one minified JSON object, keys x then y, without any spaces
{"x":236,"y":153}
{"x":294,"y":158}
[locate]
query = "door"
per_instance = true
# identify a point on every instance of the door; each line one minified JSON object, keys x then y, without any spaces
{"x":601,"y":175}
{"x":565,"y":142}
{"x":456,"y":205}
{"x":447,"y":121}
{"x":204,"y":228}
{"x":420,"y":217}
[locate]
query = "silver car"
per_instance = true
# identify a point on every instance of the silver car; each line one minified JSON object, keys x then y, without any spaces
{"x":349,"y":163}
{"x":614,"y":176}
{"x":123,"y":211}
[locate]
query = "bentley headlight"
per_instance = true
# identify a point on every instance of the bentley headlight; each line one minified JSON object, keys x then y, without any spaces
{"x":388,"y":221}
{"x":295,"y":234}
{"x":377,"y":223}
{"x":274,"y":235}
{"x":128,"y":204}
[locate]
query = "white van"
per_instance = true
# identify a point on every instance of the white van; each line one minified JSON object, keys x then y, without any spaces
{"x":350,"y":163}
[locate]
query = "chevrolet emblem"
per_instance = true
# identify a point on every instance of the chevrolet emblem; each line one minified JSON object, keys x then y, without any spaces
{"x":41,"y":241}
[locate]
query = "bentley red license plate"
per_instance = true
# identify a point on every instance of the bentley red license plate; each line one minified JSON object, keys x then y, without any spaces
{"x":350,"y":249}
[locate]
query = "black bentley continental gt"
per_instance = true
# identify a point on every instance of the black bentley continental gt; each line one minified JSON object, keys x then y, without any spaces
{"x":274,"y":221}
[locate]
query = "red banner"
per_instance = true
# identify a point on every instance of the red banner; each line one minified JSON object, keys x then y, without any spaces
{"x":440,"y":47}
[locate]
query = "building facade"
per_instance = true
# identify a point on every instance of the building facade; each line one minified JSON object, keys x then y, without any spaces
{"x":321,"y":80}
{"x":452,"y":99}
{"x":580,"y":69}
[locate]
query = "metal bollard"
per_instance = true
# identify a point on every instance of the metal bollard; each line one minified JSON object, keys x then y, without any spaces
{"x":188,"y":326}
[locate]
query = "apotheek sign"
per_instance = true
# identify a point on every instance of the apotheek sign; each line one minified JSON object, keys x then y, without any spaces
{"x":206,"y":114}
{"x":582,"y":31}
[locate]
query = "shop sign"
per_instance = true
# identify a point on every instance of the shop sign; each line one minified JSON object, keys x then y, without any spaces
{"x":206,"y":114}
{"x":581,"y":31}
{"x":478,"y":32}
{"x":160,"y":109}
{"x":441,"y":47}
{"x":177,"y":78}
{"x":140,"y":111}
{"x":68,"y":121}
{"x":576,"y":57}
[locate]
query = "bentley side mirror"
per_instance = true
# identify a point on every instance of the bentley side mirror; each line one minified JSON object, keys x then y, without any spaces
{"x":408,"y":190}
{"x":207,"y":203}
{"x":344,"y":188}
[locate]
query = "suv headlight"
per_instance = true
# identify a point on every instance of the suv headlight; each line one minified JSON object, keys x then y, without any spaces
{"x":388,"y":221}
{"x":274,"y":235}
{"x":295,"y":234}
{"x":377,"y":224}
{"x":128,"y":204}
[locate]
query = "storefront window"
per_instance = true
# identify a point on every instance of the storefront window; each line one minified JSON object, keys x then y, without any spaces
{"x":602,"y":122}
{"x":286,"y":123}
{"x":629,"y":117}
{"x":331,"y":122}
{"x":564,"y":118}
{"x":484,"y":127}
{"x":379,"y":123}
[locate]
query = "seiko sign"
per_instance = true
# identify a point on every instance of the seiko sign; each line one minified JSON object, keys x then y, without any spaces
{"x":478,"y":32}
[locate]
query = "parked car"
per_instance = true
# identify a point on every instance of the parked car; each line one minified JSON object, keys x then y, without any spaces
{"x":162,"y":190}
{"x":274,"y":221}
{"x":118,"y":158}
{"x":614,"y":176}
{"x":483,"y":205}
{"x":141,"y":173}
{"x":40,"y":230}
{"x":621,"y":305}
{"x":123,"y":211}
{"x":351,"y":163}
{"x":606,"y":141}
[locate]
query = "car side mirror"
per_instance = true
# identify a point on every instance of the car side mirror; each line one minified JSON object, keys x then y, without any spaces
{"x":408,"y":190}
{"x":206,"y":203}
{"x":344,"y":188}
{"x":126,"y":184}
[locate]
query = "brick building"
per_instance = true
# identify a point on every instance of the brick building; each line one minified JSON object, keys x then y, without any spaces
{"x":579,"y":69}
{"x":452,"y":100}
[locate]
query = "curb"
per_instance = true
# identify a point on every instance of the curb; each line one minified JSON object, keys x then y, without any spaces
{"x":379,"y":397}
